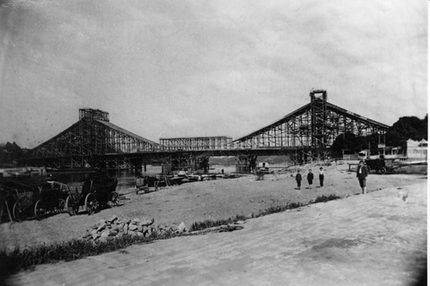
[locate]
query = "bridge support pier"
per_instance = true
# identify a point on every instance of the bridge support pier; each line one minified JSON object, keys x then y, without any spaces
{"x":186,"y":162}
{"x":246,"y":163}
{"x":136,"y":165}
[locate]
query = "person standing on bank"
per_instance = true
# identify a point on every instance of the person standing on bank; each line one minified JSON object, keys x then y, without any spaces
{"x":310,"y":178}
{"x":361,"y":175}
{"x":298,"y":179}
{"x":321,"y":177}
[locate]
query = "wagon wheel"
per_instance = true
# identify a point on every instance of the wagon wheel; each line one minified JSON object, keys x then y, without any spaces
{"x":383,"y":170}
{"x":71,"y":206}
{"x":17,"y":211}
{"x":61,"y":205}
{"x":39,"y":211}
{"x":90,"y":203}
{"x":114,"y":198}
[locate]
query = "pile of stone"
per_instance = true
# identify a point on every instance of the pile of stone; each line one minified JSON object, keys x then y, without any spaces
{"x":115,"y":228}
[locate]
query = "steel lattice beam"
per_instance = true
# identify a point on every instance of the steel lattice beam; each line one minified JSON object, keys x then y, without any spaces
{"x":93,"y":135}
{"x":315,"y":125}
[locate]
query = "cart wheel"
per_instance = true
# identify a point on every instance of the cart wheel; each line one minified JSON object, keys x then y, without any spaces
{"x":38,"y":210}
{"x":383,"y":170}
{"x":90,"y":203}
{"x":61,"y":205}
{"x":70,"y":206}
{"x":114,"y":198}
{"x":17,"y":211}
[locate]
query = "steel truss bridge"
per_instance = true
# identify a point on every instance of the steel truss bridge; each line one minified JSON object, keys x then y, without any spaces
{"x":306,"y":132}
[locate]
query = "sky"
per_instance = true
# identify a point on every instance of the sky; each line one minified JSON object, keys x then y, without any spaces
{"x":205,"y":68}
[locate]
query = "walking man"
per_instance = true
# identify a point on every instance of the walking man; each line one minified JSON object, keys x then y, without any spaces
{"x":361,"y":175}
{"x":321,"y":176}
{"x":299,"y":179}
{"x":310,"y":178}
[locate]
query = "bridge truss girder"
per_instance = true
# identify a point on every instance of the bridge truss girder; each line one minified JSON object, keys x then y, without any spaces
{"x":86,"y":140}
{"x":313,"y":127}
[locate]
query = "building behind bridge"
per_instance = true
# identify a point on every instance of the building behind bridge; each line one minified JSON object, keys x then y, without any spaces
{"x":417,"y":150}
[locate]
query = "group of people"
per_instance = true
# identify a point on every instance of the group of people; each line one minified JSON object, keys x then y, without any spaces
{"x":310,"y":178}
{"x":361,"y":175}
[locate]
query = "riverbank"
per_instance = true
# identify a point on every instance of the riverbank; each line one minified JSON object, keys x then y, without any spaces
{"x":199,"y":201}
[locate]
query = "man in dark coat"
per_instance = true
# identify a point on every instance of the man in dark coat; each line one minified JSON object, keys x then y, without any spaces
{"x":321,"y":177}
{"x":361,"y":175}
{"x":310,"y":178}
{"x":298,"y":179}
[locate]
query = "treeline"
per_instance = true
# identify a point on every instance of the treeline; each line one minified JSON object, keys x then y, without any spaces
{"x":10,"y":153}
{"x":407,"y":127}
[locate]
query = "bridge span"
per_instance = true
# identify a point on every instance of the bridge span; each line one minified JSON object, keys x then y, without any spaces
{"x":306,"y":132}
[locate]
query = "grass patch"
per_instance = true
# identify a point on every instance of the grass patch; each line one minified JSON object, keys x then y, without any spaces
{"x":271,"y":210}
{"x":213,"y":223}
{"x":323,"y":198}
{"x":18,"y":259}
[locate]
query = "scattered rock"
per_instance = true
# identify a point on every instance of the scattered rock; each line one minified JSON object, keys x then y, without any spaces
{"x":104,"y":234}
{"x":182,"y":227}
{"x":95,"y":235}
{"x":113,"y":219}
{"x":148,"y":232}
{"x":101,"y":227}
{"x":114,"y":227}
{"x":133,"y":233}
{"x":146,"y":221}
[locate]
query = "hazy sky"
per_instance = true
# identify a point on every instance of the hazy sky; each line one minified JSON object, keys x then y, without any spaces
{"x":201,"y":68}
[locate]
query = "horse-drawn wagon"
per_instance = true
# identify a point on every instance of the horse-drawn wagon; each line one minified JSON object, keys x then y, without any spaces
{"x":98,"y":190}
{"x":51,"y":198}
{"x":27,"y":197}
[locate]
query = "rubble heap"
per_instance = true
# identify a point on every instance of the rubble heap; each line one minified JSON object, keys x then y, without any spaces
{"x":115,"y":228}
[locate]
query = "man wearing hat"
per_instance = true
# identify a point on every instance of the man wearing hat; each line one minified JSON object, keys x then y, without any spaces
{"x":361,"y":175}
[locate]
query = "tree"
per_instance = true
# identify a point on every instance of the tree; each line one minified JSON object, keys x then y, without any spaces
{"x":10,"y":153}
{"x":348,"y":142}
{"x":407,"y":127}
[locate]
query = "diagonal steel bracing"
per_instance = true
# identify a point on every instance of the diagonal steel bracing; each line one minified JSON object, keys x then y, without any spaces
{"x":314,"y":126}
{"x":93,"y":135}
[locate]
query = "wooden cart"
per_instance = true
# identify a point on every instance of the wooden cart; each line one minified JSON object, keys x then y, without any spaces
{"x":97,"y":191}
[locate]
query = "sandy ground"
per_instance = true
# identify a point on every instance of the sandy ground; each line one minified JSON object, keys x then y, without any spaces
{"x":374,"y":239}
{"x":198,"y":201}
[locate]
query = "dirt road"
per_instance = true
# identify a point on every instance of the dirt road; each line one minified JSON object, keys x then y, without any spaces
{"x":374,"y":239}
